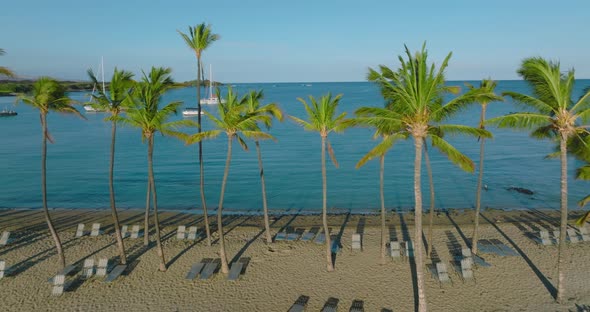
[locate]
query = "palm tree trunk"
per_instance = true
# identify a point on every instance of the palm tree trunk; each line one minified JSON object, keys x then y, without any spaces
{"x":422,"y":307}
{"x":58,"y":246}
{"x":155,"y":199}
{"x":146,"y":220}
{"x":224,"y":266}
{"x":431,"y":184}
{"x":479,"y":184}
{"x":563,"y":227}
{"x":330,"y":265}
{"x":201,"y":167}
{"x":382,"y":194}
{"x":264,"y":205}
{"x":118,"y":237}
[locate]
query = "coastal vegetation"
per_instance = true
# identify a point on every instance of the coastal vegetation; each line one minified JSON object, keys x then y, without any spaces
{"x":198,"y":39}
{"x":323,"y":119}
{"x":49,"y":96}
{"x":552,"y":114}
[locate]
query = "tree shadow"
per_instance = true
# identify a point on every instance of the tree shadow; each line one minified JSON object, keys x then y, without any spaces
{"x":456,"y":226}
{"x":411,"y":260}
{"x":392,"y":232}
{"x":538,"y":273}
{"x":360,"y":227}
{"x":338,"y":239}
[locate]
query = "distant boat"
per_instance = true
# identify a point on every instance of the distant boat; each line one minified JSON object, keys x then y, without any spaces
{"x":89,"y":108}
{"x":212,"y":99}
{"x":191,"y":112}
{"x":7,"y":113}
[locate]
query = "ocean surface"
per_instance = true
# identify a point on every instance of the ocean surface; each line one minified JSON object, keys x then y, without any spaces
{"x":78,"y":161}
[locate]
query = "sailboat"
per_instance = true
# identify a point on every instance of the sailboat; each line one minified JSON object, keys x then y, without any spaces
{"x":89,"y":108}
{"x":212,"y":99}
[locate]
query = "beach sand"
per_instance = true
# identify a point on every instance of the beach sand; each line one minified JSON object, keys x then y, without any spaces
{"x":279,"y":273}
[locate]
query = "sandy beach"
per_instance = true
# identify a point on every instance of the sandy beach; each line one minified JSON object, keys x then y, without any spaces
{"x":279,"y":273}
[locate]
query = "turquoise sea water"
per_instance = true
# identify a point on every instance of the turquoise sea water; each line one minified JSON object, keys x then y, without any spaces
{"x":78,"y":162}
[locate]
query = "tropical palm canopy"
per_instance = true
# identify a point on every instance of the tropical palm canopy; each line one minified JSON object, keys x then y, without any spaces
{"x":5,"y":71}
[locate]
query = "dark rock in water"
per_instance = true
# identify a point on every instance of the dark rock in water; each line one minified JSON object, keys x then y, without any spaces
{"x":520,"y":190}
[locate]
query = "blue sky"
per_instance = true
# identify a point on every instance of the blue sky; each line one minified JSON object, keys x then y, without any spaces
{"x":291,"y":41}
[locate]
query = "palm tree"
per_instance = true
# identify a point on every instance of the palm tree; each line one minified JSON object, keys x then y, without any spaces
{"x":144,"y":113}
{"x":488,"y":87}
{"x":49,"y":95}
{"x":5,"y":71}
{"x":252,"y":101}
{"x":119,"y":90}
{"x":367,"y":116}
{"x":557,"y":117}
{"x":199,"y":38}
{"x":414,"y":93}
{"x":236,"y":122}
{"x":322,"y":118}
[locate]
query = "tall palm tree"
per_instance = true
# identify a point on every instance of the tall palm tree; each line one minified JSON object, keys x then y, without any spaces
{"x":144,"y":112}
{"x":5,"y":71}
{"x":414,"y":93}
{"x":557,"y":117}
{"x":488,"y":87}
{"x":322,"y":118}
{"x":237,"y":123}
{"x":119,"y":91}
{"x":49,"y":95}
{"x":252,"y":101}
{"x":367,"y":116}
{"x":198,"y":39}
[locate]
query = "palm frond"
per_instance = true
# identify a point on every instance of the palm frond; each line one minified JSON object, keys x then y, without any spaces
{"x":452,"y":153}
{"x":520,"y":120}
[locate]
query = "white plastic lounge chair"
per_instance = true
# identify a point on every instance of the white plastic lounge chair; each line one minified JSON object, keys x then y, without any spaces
{"x":281,"y":236}
{"x":506,"y":251}
{"x":544,"y":237}
{"x":585,"y":233}
{"x":59,"y":285}
{"x":293,"y":236}
{"x":556,"y":234}
{"x":192,"y":233}
{"x":466,"y":269}
{"x":573,"y":236}
{"x":124,"y":231}
{"x":95,"y":229}
{"x":80,"y":230}
{"x":443,"y":274}
{"x":135,"y":231}
{"x":197,"y":268}
{"x":103,"y":264}
{"x":394,"y":249}
{"x":300,"y":304}
{"x":88,"y":268}
{"x":356,"y":241}
{"x":310,"y":234}
{"x":68,"y":270}
{"x":409,"y":249}
{"x":5,"y":239}
{"x":320,"y":238}
{"x":115,"y":273}
{"x":180,"y":233}
{"x":210,"y":269}
{"x":331,"y":305}
{"x":2,"y":268}
{"x":235,"y":271}
{"x":357,"y":306}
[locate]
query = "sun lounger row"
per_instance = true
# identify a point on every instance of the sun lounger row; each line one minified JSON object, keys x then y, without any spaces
{"x":5,"y":238}
{"x":331,"y":305}
{"x":61,"y":280}
{"x":207,"y":267}
{"x":95,"y":231}
{"x":182,"y":233}
{"x":398,"y":249}
{"x":573,"y":236}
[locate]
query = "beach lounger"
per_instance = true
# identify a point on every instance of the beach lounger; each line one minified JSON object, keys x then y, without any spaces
{"x":585,"y":234}
{"x":115,"y":273}
{"x":68,"y":270}
{"x":181,"y":232}
{"x":192,"y":233}
{"x":124,"y":231}
{"x":544,"y":238}
{"x":5,"y":239}
{"x":464,"y":269}
{"x":59,"y":285}
{"x":573,"y":236}
{"x":556,"y":234}
{"x":293,"y":236}
{"x":507,"y":251}
{"x":311,"y":234}
{"x":300,"y":304}
{"x":408,"y":249}
{"x":95,"y":229}
{"x":103,"y":264}
{"x":235,"y":271}
{"x":356,"y":241}
{"x":331,"y":305}
{"x":480,"y":262}
{"x":88,"y":268}
{"x":80,"y":230}
{"x":439,"y":272}
{"x":320,"y":238}
{"x":486,"y":246}
{"x":2,"y":268}
{"x":135,"y":231}
{"x":335,"y":243}
{"x":394,"y":249}
{"x":210,"y":269}
{"x":197,"y":268}
{"x":281,"y":236}
{"x":357,"y":306}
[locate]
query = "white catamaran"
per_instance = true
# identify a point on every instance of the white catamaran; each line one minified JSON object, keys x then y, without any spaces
{"x":212,"y":99}
{"x":89,"y":108}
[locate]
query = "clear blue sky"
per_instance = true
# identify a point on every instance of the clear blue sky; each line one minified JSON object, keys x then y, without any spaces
{"x":291,"y":41}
